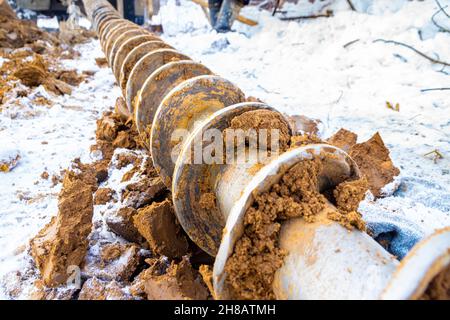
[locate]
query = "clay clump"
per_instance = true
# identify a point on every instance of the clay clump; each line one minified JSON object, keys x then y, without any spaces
{"x":179,"y":281}
{"x":63,"y":242}
{"x":439,"y":287}
{"x":96,"y":289}
{"x":372,"y":158}
{"x":263,"y":119}
{"x":103,"y":196}
{"x":158,"y":225}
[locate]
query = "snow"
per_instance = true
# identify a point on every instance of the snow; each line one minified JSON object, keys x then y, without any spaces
{"x":326,"y":68}
{"x":48,"y":140}
{"x":48,"y":23}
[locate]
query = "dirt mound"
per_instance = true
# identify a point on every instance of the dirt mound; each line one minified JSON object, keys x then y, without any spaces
{"x":6,"y":10}
{"x":178,"y":281}
{"x":158,"y":225}
{"x":372,"y":158}
{"x":113,"y":129}
{"x":35,"y":73}
{"x":63,"y":242}
{"x":15,"y":33}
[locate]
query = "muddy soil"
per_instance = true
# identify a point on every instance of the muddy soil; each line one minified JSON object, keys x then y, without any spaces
{"x":157,"y":223}
{"x":439,"y":287}
{"x":264,"y":119}
{"x":63,"y":242}
{"x":178,"y":281}
{"x":256,"y":257}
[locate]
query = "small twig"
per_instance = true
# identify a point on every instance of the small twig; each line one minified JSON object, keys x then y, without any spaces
{"x":442,"y":9}
{"x":276,"y":7}
{"x":434,"y":89}
{"x":415,"y":50}
{"x":327,"y":14}
{"x":434,"y":21}
{"x":348,"y":44}
{"x":350,"y":4}
{"x":437,"y":155}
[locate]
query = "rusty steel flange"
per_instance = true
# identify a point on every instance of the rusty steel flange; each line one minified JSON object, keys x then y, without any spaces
{"x":145,"y":67}
{"x":119,"y":35}
{"x":182,"y":109}
{"x":126,"y":36}
{"x":159,"y":84}
{"x":127,"y":46}
{"x":134,"y":56}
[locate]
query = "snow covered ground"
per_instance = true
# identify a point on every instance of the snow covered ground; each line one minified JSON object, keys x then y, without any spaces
{"x":326,"y":68}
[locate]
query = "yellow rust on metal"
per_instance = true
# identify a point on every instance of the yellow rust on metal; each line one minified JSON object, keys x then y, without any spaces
{"x":159,"y":84}
{"x":109,"y":28}
{"x":121,"y":39}
{"x":134,"y":56}
{"x":145,"y":67}
{"x":119,"y":35}
{"x":126,"y":48}
{"x":186,"y":104}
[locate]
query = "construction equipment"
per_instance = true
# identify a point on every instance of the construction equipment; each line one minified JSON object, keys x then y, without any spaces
{"x":166,"y":91}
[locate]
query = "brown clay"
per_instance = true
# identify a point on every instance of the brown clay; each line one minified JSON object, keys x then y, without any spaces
{"x":103,"y":196}
{"x":304,"y":139}
{"x":256,"y":257}
{"x":63,"y":242}
{"x":439,"y":287}
{"x":115,"y":262}
{"x":264,"y":119}
{"x":144,"y":192}
{"x":343,"y":139}
{"x":301,"y":124}
{"x":157,"y":224}
{"x":372,"y":158}
{"x":179,"y":282}
{"x":96,"y":289}
{"x":121,"y":223}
